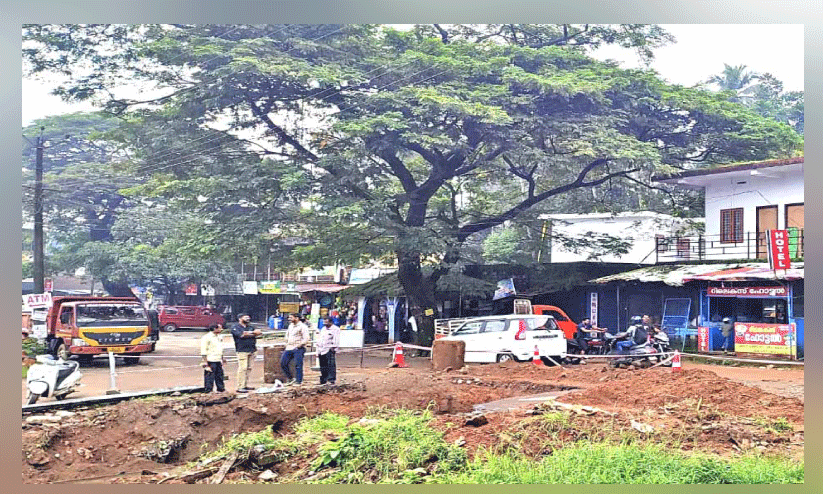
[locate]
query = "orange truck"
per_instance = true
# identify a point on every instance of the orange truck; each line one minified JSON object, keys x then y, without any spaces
{"x":565,"y":322}
{"x":89,"y":326}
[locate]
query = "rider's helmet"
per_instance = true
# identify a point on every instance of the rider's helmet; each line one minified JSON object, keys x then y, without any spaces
{"x":637,"y":320}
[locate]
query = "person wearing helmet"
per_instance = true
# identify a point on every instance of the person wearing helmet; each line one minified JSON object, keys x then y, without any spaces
{"x":635,"y":334}
{"x":727,"y":329}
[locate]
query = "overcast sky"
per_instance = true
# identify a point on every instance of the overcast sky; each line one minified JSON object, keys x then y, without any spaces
{"x":700,"y":52}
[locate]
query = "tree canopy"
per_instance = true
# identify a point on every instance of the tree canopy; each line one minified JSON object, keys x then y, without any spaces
{"x":352,"y":141}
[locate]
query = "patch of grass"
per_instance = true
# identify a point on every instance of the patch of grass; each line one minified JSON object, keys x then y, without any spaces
{"x":25,"y":371}
{"x":327,"y":422}
{"x":624,"y":464}
{"x":775,"y":426}
{"x":244,"y":442}
{"x":399,"y":449}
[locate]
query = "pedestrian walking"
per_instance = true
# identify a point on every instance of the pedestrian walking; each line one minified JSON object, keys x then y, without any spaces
{"x":245,"y":345}
{"x":211,"y":349}
{"x":297,"y":337}
{"x":328,"y":340}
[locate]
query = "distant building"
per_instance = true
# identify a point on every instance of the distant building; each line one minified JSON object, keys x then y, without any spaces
{"x":640,"y":229}
{"x":743,"y":201}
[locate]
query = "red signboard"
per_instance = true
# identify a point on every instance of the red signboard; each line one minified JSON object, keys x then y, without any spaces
{"x":48,"y":285}
{"x":748,"y":291}
{"x":779,"y":249}
{"x":191,"y":289}
{"x":702,"y":339}
{"x":774,"y":339}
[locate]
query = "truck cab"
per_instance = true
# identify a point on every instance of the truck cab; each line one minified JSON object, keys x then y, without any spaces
{"x":89,"y":326}
{"x":565,"y":322}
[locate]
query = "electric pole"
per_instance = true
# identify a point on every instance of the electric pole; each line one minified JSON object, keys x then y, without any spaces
{"x":39,"y":263}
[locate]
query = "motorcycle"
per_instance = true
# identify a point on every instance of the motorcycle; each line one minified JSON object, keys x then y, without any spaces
{"x":50,"y":377}
{"x":660,"y":343}
{"x":595,"y":346}
{"x":642,"y":354}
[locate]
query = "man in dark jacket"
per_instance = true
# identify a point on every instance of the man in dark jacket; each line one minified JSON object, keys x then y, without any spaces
{"x":245,"y":345}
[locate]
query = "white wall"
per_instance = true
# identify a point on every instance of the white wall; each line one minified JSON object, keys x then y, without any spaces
{"x":638,"y":229}
{"x":725,"y":192}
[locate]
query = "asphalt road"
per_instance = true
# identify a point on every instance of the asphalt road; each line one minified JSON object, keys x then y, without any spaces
{"x":176,"y":362}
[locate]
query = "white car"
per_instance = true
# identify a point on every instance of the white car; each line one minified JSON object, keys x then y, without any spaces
{"x":510,"y":337}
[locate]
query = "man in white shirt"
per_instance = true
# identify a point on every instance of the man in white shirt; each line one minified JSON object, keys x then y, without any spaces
{"x":328,"y":340}
{"x":211,"y":349}
{"x":297,"y":337}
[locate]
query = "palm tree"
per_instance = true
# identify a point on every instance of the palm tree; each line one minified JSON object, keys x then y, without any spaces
{"x":737,"y":79}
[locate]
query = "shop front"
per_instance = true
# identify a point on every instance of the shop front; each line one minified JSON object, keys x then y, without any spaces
{"x":767,"y":314}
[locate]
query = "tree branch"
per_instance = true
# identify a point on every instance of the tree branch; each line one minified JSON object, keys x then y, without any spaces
{"x":281,"y":134}
{"x":444,"y":35}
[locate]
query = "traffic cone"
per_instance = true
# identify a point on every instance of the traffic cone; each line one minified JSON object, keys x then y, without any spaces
{"x":399,"y":360}
{"x":537,"y":360}
{"x":676,"y":362}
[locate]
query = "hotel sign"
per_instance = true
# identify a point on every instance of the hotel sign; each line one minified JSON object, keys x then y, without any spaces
{"x":748,"y":291}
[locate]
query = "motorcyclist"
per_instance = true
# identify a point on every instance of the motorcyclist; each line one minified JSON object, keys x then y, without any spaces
{"x":584,"y":332}
{"x":635,"y":334}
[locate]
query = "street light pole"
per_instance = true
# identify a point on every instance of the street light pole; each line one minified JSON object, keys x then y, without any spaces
{"x":39,"y":263}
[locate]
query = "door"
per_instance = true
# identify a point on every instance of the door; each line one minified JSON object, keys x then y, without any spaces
{"x":794,"y":224}
{"x":492,"y":339}
{"x":470,"y":333}
{"x":766,"y":220}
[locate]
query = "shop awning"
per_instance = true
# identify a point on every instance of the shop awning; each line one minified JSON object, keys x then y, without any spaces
{"x":749,"y":274}
{"x":678,"y":274}
{"x":320,"y":287}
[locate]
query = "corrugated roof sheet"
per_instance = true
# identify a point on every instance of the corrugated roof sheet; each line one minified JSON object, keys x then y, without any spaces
{"x":678,"y":274}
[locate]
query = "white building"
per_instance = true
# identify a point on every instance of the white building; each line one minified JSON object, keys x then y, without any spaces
{"x":640,"y":229}
{"x":742,"y":202}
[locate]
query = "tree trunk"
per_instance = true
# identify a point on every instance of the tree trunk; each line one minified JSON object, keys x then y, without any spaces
{"x":420,"y":292}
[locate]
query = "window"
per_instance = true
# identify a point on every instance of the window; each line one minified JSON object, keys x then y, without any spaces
{"x":469,"y":328}
{"x":170,"y":311}
{"x":188,"y":312}
{"x":495,"y":326}
{"x":537,"y":322}
{"x":731,"y":225}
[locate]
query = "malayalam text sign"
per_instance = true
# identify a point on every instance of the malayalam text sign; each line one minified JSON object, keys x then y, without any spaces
{"x":779,"y":249}
{"x":765,"y":338}
{"x":748,"y":291}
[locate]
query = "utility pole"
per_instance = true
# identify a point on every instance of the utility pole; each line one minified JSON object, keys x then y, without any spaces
{"x":39,"y":263}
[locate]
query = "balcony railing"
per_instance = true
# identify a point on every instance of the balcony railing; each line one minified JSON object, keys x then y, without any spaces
{"x":751,"y":245}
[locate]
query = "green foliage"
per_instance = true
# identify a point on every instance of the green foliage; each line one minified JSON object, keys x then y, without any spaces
{"x":28,"y":269}
{"x":246,"y":441}
{"x":625,"y":464}
{"x":392,"y":447}
{"x":32,"y":347}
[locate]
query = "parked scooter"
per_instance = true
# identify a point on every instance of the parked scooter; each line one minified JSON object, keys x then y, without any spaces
{"x":50,"y":377}
{"x":660,"y":343}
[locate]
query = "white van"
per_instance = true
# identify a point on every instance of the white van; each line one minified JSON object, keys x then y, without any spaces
{"x":510,"y":337}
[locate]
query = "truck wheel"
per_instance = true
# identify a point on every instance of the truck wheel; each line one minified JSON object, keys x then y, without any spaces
{"x":170,"y":328}
{"x":31,"y":399}
{"x":132,"y":360}
{"x":62,"y":352}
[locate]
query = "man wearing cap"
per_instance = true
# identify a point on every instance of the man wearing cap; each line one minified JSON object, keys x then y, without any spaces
{"x":245,"y":345}
{"x":727,"y":329}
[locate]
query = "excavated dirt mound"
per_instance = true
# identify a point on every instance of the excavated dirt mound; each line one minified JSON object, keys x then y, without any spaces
{"x":137,"y":440}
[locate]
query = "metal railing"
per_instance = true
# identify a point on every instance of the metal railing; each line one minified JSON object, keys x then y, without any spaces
{"x":749,"y":245}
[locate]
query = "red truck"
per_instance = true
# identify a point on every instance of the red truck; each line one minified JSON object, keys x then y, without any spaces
{"x":89,"y":326}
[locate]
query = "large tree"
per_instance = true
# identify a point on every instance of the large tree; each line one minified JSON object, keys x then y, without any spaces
{"x":409,"y":142}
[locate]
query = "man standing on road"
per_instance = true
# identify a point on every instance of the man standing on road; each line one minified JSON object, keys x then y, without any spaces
{"x":211,"y":349}
{"x":327,"y":342}
{"x":245,"y":344}
{"x":297,"y":337}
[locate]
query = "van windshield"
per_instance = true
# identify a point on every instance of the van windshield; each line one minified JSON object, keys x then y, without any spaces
{"x":111,"y":315}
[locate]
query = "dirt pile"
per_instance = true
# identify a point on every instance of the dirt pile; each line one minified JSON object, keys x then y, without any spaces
{"x":137,"y":441}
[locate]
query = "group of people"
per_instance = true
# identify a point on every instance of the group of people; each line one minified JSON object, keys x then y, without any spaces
{"x":245,"y":345}
{"x":636,"y":334}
